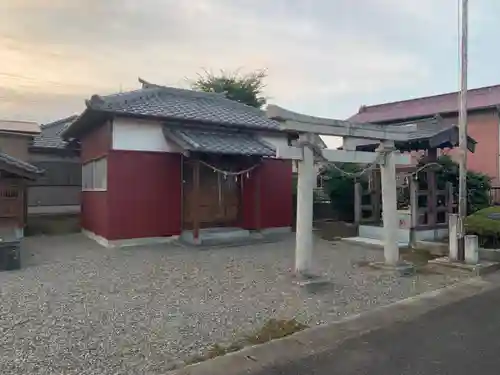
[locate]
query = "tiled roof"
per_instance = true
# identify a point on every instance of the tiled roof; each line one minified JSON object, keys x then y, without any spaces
{"x":484,"y":97}
{"x":50,"y":136}
{"x":180,"y":104}
{"x":426,"y":128}
{"x":433,"y":132}
{"x":219,"y":141}
{"x":17,"y":164}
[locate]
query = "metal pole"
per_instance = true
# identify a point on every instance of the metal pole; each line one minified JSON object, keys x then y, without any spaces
{"x":462,"y":123}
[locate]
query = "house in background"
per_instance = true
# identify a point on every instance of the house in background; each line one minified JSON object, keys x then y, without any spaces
{"x":440,"y":112}
{"x":58,"y":190}
{"x":15,"y":171}
{"x":162,"y":162}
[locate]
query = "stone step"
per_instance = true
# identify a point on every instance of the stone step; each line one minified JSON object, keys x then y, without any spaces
{"x":370,"y":242}
{"x":492,"y":255}
{"x":377,"y":233}
{"x":235,"y":242}
{"x":211,"y":237}
{"x":215,"y":235}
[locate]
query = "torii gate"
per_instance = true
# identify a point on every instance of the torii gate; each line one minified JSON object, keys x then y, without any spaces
{"x":386,"y":155}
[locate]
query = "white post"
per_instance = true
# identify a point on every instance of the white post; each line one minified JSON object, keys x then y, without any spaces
{"x":304,"y":234}
{"x":471,"y":249}
{"x":453,"y":237}
{"x":389,"y":204}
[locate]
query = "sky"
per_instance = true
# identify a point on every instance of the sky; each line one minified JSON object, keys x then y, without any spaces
{"x":323,"y":57}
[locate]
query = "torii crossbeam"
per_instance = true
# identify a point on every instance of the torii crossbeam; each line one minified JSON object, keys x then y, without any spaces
{"x":304,"y":126}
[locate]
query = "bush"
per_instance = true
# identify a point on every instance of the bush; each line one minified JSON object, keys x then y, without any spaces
{"x":340,"y":188}
{"x":478,"y":184}
{"x":488,"y":230}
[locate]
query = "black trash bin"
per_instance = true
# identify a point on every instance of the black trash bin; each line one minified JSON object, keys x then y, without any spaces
{"x":10,"y":254}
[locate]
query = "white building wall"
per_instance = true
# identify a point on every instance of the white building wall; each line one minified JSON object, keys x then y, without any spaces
{"x":276,"y":140}
{"x":141,"y":135}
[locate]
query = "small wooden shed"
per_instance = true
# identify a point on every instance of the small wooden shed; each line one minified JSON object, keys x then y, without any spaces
{"x":14,"y":174}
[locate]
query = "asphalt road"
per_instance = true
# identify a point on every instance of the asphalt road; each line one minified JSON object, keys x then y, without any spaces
{"x":458,"y":339}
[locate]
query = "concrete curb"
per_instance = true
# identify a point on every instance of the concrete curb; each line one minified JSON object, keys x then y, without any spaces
{"x":318,"y":339}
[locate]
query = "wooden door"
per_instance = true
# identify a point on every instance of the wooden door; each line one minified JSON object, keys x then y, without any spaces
{"x":218,"y":202}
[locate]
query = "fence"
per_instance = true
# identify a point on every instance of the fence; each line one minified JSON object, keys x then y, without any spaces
{"x":495,"y":195}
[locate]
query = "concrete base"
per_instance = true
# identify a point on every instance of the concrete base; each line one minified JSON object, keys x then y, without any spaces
{"x":214,"y":235}
{"x":482,"y":268}
{"x":401,"y":269}
{"x":111,"y":244}
{"x":53,"y":210}
{"x":211,"y":237}
{"x":403,"y":235}
{"x":492,"y":255}
{"x":370,"y":242}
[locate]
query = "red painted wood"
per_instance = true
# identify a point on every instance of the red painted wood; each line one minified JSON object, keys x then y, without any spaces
{"x":94,"y":212}
{"x":144,"y":194}
{"x":276,"y":194}
{"x":276,"y":209}
{"x":96,"y":143}
{"x":196,"y":198}
{"x":248,"y":211}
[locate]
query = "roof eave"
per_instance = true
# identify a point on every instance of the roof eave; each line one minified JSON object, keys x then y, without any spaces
{"x":392,"y":120}
{"x":232,"y":126}
{"x":83,"y":123}
{"x":54,"y":150}
{"x":20,"y":172}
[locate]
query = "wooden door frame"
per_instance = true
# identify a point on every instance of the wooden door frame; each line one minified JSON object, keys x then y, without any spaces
{"x":198,"y":185}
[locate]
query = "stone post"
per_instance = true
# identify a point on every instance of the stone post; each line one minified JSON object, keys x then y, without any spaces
{"x":358,"y":201}
{"x":389,"y":204}
{"x":453,"y":237}
{"x":471,"y":249}
{"x":414,"y":212}
{"x":304,"y":230}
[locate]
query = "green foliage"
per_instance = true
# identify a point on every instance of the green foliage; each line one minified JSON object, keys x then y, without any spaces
{"x":244,"y":88}
{"x":488,"y":230}
{"x":340,"y":189}
{"x":478,"y":184}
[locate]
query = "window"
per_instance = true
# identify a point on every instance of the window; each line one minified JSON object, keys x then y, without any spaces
{"x":94,"y":175}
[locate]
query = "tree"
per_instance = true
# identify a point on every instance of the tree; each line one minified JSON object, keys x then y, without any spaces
{"x":340,"y":188}
{"x":244,"y":88}
{"x":478,"y":184}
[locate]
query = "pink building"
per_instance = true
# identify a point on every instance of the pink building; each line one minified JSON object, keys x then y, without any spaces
{"x":483,"y":121}
{"x":159,"y":162}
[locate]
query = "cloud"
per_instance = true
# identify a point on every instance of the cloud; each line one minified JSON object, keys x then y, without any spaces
{"x":318,"y":54}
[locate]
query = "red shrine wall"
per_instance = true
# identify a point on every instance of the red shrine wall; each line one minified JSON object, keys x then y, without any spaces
{"x":94,"y":204}
{"x":144,"y":194}
{"x":274,"y":178}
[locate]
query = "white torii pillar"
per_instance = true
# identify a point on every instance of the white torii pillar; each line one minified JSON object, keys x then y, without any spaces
{"x":389,"y":204}
{"x":305,"y":186}
{"x":307,"y":125}
{"x":304,"y":220}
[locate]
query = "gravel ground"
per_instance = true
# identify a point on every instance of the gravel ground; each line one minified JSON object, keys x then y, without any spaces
{"x":77,"y":308}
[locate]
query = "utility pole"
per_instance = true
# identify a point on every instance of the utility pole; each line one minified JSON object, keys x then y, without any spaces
{"x":462,"y":123}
